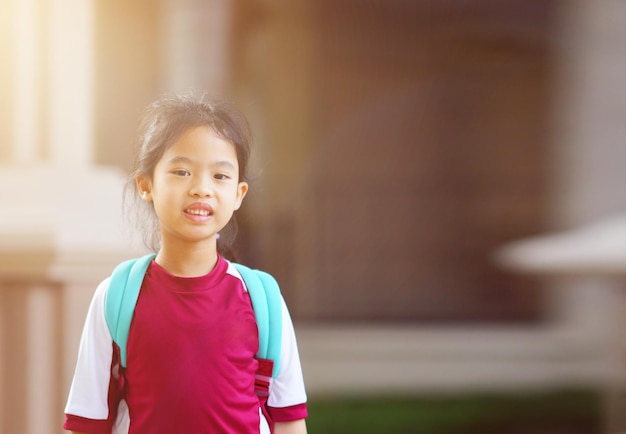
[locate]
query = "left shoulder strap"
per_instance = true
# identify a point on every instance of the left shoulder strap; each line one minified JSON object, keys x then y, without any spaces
{"x":267,"y":305}
{"x":121,"y":298}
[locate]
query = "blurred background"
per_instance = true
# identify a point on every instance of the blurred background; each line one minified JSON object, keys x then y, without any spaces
{"x":440,"y":189}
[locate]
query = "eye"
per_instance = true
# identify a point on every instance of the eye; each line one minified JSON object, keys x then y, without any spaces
{"x":181,"y":172}
{"x":221,"y":176}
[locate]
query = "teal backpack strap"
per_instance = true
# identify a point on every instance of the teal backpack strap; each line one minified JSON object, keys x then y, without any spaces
{"x":267,"y":305}
{"x":121,"y":297}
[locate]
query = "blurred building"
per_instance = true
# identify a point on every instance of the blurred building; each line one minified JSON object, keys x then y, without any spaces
{"x":398,"y":146}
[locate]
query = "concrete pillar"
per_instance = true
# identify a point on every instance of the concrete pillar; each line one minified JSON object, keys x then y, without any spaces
{"x":69,"y":114}
{"x":51,"y":72}
{"x":589,"y":168}
{"x":42,"y":381}
{"x":61,"y":230}
{"x":196,"y":37}
{"x":27,"y":65}
{"x":49,"y":181}
{"x":589,"y":175}
{"x":589,"y":152}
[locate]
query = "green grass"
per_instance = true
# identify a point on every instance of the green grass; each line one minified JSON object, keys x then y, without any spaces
{"x":563,"y":411}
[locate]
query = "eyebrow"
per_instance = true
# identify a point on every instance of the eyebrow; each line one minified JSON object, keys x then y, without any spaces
{"x":180,"y":159}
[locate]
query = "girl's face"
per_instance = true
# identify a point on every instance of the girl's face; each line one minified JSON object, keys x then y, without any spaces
{"x":195,"y":187}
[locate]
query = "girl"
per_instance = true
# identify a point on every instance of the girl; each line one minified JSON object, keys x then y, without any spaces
{"x":191,"y":346}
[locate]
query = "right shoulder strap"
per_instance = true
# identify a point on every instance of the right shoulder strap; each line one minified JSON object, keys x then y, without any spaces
{"x":268,"y":311}
{"x":121,"y":297}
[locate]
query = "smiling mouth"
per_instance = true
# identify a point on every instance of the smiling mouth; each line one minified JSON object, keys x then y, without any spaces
{"x":199,"y":212}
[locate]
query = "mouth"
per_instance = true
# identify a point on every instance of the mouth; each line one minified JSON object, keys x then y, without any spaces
{"x":199,"y":210}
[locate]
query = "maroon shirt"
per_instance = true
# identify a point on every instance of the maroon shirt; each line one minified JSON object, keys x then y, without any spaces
{"x":191,"y":349}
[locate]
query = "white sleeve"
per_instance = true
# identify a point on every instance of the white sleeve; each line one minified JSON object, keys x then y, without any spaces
{"x":88,"y":395}
{"x":287,"y":388}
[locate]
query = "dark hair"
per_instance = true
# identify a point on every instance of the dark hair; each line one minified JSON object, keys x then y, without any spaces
{"x":164,"y":122}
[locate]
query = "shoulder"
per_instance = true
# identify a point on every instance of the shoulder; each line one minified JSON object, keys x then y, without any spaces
{"x":251,"y":276}
{"x":247,"y":273}
{"x":233,"y":269}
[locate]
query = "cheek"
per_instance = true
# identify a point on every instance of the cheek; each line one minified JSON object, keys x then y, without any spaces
{"x":160,"y":184}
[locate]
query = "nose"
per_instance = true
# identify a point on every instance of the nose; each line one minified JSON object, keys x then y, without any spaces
{"x":202,"y":187}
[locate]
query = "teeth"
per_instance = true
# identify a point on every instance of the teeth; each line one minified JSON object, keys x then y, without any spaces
{"x":200,"y":212}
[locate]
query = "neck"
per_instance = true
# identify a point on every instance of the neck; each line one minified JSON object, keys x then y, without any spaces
{"x":188,"y":260}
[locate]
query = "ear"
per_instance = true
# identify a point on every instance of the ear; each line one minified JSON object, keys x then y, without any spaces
{"x":144,"y":186}
{"x":242,"y":189}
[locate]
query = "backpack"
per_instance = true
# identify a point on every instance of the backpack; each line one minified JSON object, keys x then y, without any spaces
{"x":123,"y":292}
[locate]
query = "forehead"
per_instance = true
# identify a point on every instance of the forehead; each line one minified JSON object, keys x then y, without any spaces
{"x":201,"y":144}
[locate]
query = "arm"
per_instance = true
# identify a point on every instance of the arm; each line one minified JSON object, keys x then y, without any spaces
{"x":293,"y":427}
{"x":93,"y":390}
{"x":287,"y":400}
